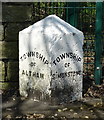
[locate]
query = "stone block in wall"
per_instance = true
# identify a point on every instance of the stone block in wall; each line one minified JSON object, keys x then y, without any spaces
{"x":0,"y":11}
{"x":4,"y":85}
{"x":1,"y":32}
{"x":16,"y":13}
{"x":12,"y":30}
{"x":2,"y":71}
{"x":13,"y":71}
{"x":8,"y":50}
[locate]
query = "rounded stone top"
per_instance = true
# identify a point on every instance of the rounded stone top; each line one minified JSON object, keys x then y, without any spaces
{"x":52,"y":25}
{"x":52,"y":22}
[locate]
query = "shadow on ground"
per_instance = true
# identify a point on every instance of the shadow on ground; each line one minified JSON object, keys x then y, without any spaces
{"x":16,"y":107}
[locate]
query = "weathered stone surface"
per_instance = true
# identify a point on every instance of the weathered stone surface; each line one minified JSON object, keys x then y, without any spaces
{"x":1,"y":32}
{"x":13,"y":71}
{"x":51,"y":59}
{"x":17,"y":13}
{"x":8,"y":50}
{"x":2,"y":71}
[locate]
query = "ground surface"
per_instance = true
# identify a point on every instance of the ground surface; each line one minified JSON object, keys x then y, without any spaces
{"x":90,"y":107}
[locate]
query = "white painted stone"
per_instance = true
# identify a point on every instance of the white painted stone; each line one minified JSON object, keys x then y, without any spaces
{"x":51,"y":59}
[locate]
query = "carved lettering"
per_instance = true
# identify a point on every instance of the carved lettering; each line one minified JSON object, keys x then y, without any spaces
{"x":62,"y":56}
{"x":54,"y":62}
{"x":46,"y":62}
{"x":33,"y":74}
{"x":71,"y":55}
{"x":36,"y":55}
{"x":58,"y":59}
{"x":67,"y":64}
{"x":67,"y":55}
{"x":66,"y":74}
